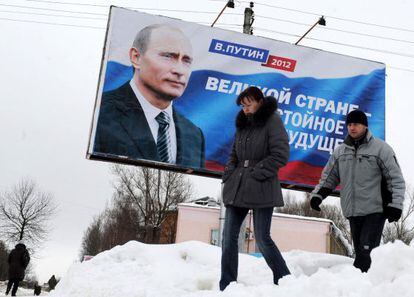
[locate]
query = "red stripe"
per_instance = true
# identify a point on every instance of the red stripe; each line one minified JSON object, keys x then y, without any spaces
{"x":295,"y":172}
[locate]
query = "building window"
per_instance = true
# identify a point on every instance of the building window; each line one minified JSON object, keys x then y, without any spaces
{"x":214,"y":237}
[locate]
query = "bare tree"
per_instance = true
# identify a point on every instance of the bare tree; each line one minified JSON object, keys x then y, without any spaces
{"x":92,"y":238}
{"x":153,"y":192}
{"x":118,"y":224}
{"x":299,"y":207}
{"x":25,"y":212}
{"x":402,"y":229}
{"x":144,"y":208}
{"x":4,"y":253}
{"x":121,"y":223}
{"x":334,"y":213}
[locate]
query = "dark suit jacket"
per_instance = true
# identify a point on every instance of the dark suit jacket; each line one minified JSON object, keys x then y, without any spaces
{"x":122,"y":130}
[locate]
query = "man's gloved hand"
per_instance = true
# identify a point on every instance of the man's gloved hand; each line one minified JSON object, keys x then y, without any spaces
{"x":315,"y":202}
{"x":392,"y":214}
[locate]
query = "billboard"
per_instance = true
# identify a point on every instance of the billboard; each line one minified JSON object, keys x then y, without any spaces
{"x":167,"y":90}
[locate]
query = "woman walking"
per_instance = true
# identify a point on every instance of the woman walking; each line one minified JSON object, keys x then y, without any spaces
{"x":251,"y":181}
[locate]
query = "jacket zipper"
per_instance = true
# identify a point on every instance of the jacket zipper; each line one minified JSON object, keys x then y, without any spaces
{"x":353,"y":181}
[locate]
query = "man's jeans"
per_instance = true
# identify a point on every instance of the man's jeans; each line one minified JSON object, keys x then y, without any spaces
{"x":262,"y":218}
{"x":366,"y":234}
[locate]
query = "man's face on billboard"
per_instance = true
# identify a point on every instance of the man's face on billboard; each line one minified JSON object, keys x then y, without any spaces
{"x":164,"y":68}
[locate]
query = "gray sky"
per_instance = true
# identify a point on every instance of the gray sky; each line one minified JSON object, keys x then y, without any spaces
{"x":49,"y":75}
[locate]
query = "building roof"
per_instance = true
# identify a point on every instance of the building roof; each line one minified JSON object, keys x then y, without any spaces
{"x":217,"y":206}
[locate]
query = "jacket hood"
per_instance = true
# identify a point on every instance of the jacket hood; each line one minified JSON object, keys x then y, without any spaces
{"x":261,"y":116}
{"x":20,"y":246}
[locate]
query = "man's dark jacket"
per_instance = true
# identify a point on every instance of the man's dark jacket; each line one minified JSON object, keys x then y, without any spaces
{"x":123,"y":130}
{"x":260,"y":148}
{"x":18,"y":260}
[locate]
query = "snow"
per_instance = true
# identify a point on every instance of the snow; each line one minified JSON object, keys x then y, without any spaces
{"x":20,"y":291}
{"x":340,"y":236}
{"x":192,"y":269}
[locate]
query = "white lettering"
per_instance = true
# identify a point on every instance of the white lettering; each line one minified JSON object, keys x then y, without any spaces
{"x":212,"y":83}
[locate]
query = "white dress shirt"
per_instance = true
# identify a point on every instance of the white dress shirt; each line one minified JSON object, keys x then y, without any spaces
{"x":151,"y":112}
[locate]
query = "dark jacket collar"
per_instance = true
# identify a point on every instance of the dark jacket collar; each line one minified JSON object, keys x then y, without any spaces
{"x":261,"y":116}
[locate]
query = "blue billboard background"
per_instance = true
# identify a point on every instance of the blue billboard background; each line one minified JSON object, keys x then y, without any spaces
{"x":214,"y":112}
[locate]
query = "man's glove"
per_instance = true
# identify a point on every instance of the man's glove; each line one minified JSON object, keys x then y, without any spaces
{"x":392,"y":214}
{"x":315,"y":202}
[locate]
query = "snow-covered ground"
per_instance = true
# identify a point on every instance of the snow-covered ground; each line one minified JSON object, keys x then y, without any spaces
{"x":192,"y":269}
{"x":20,"y":291}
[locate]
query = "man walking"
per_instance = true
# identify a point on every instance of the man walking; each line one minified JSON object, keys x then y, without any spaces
{"x":18,"y":260}
{"x":372,"y":186}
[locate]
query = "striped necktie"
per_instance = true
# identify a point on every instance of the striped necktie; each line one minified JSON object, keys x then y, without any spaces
{"x":163,"y":138}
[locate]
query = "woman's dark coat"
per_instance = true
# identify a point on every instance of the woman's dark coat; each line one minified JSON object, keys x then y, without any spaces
{"x":260,"y":148}
{"x":18,"y":260}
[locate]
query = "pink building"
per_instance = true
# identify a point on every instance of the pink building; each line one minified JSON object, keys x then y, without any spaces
{"x":200,"y":222}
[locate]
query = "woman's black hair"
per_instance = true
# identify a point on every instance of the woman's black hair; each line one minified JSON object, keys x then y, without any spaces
{"x":253,"y":93}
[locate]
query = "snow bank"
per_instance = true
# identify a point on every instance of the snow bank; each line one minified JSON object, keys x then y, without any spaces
{"x":193,"y":268}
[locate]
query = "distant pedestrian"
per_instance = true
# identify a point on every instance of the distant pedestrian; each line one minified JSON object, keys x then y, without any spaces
{"x":18,"y":260}
{"x":37,"y":289}
{"x":52,"y":282}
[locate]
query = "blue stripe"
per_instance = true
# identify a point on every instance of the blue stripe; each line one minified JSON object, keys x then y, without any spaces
{"x":215,"y":112}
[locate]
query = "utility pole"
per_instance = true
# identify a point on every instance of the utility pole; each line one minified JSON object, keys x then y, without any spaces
{"x":247,"y":29}
{"x":248,"y":19}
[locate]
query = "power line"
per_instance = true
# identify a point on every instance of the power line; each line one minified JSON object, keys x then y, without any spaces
{"x":262,"y":29}
{"x":338,"y":43}
{"x":52,"y":23}
{"x":368,"y":35}
{"x":213,"y":12}
{"x":52,"y":15}
{"x":180,"y":10}
{"x":335,"y":29}
{"x":136,"y":8}
{"x":67,"y":3}
{"x":176,"y":10}
{"x":222,"y":24}
{"x":78,"y":17}
{"x":402,"y":69}
{"x":92,"y":18}
{"x":279,"y":32}
{"x":365,"y":48}
{"x":92,"y":27}
{"x":332,"y":17}
{"x":105,"y":14}
{"x":209,"y":12}
{"x":50,"y":9}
